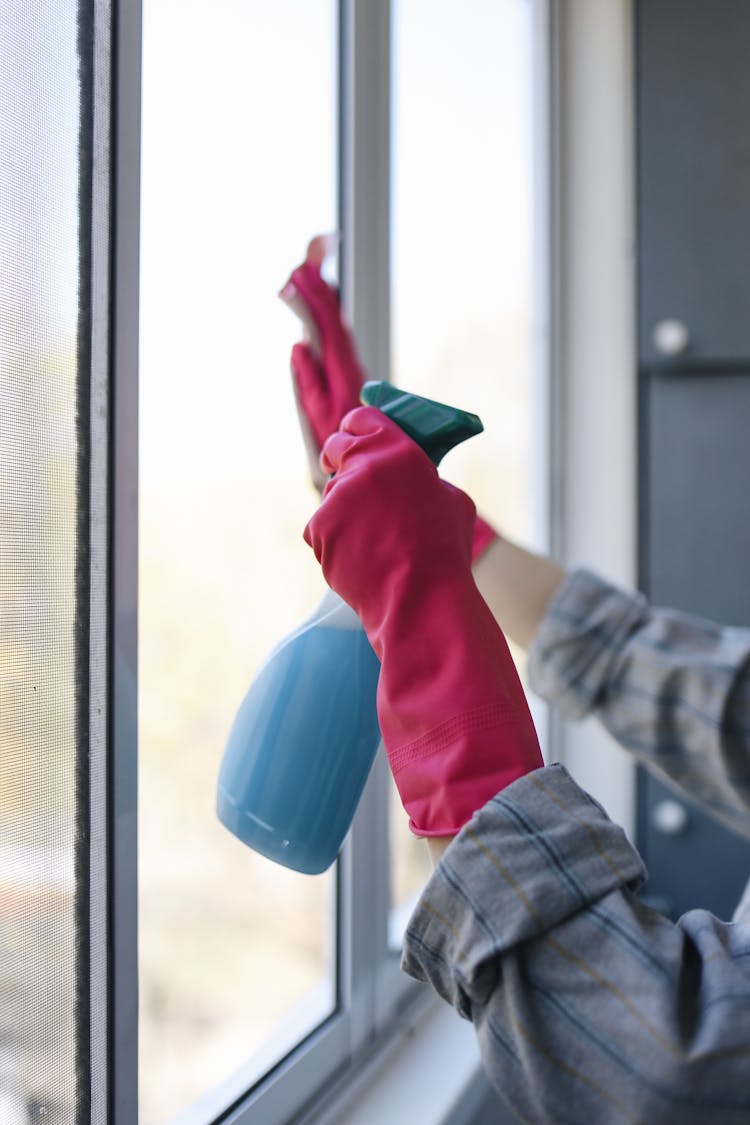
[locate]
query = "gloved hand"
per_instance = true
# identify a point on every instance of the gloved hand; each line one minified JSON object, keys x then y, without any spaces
{"x":394,"y":541}
{"x":326,"y":370}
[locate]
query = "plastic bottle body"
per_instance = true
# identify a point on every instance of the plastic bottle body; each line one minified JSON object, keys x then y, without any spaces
{"x":303,"y":742}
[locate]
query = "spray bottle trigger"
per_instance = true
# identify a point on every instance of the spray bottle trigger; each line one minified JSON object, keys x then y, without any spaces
{"x":435,"y":427}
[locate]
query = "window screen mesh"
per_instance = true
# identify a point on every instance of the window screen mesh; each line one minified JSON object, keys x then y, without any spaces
{"x":42,"y":680}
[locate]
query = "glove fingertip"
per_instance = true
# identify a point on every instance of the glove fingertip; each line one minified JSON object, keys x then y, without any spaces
{"x":335,"y":449}
{"x":366,"y":420}
{"x":300,"y":354}
{"x":327,"y":466}
{"x":302,"y":358}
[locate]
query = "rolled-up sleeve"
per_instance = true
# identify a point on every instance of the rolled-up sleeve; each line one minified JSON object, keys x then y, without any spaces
{"x":672,"y":688}
{"x":588,"y":1005}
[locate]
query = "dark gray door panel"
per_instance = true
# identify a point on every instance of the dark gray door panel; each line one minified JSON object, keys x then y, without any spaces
{"x":693,"y":168}
{"x":695,"y":541}
{"x":694,"y":156}
{"x":696,"y":492}
{"x":702,"y":865}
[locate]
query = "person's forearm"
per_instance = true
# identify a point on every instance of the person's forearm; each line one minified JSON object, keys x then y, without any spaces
{"x":517,"y":586}
{"x":437,"y":846}
{"x":567,"y":1012}
{"x":673,"y":689}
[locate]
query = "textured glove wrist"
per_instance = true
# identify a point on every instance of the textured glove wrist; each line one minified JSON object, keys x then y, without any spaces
{"x":454,"y":717}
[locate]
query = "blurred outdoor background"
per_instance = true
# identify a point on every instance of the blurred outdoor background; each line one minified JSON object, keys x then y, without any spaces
{"x":239,"y":171}
{"x":39,"y":111}
{"x":240,"y":125}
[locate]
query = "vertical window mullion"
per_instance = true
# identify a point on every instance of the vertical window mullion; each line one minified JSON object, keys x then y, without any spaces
{"x":365,"y":222}
{"x":545,"y":470}
{"x":546,"y":467}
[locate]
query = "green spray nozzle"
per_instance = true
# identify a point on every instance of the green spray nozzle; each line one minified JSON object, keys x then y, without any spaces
{"x":435,"y":427}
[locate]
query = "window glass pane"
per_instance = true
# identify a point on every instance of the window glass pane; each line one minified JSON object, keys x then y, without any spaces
{"x":462,"y":256}
{"x":239,"y":169}
{"x":39,"y":121}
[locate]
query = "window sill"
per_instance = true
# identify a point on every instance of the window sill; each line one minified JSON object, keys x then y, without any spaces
{"x":427,"y":1069}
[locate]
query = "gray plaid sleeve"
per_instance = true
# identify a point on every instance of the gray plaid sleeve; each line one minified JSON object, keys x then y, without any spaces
{"x":673,"y":689}
{"x":588,"y":1006}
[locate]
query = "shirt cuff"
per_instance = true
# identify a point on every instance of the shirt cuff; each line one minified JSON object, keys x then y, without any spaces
{"x":582,"y":633}
{"x":539,"y":852}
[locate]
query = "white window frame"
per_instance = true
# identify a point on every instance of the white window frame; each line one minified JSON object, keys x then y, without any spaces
{"x":377,"y":1003}
{"x":595,"y":363}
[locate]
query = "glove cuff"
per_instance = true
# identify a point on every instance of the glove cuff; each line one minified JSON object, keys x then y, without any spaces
{"x":484,"y":537}
{"x":447,"y":775}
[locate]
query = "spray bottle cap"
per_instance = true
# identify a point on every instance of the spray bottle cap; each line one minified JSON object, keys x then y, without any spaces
{"x":436,"y":428}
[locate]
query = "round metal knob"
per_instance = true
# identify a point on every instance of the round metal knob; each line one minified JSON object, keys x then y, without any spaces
{"x":670,"y":818}
{"x":670,"y":337}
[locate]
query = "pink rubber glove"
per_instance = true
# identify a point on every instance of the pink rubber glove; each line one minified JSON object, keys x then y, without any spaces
{"x":484,"y":536}
{"x":394,"y":541}
{"x":326,"y":369}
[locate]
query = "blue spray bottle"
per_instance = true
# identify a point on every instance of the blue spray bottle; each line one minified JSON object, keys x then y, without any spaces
{"x":305,"y":736}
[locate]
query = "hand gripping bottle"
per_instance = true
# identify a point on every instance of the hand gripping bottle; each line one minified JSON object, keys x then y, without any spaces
{"x":303,"y":742}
